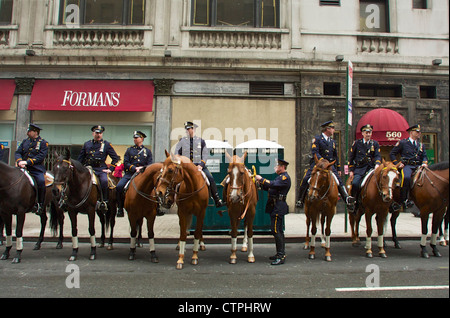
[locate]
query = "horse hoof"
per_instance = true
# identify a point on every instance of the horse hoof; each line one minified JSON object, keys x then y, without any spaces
{"x":328,"y":258}
{"x":72,"y":258}
{"x":154,"y":259}
{"x":437,"y":254}
{"x":383,"y":255}
{"x":306,"y":247}
{"x":110,"y":247}
{"x":424,"y":254}
{"x":369,"y":255}
{"x":92,"y":257}
{"x":59,"y":246}
{"x":312,"y":256}
{"x":179,"y":265}
{"x":233,"y":260}
{"x":37,"y":247}
{"x":16,"y":260}
{"x":398,"y":246}
{"x":194,"y":261}
{"x":251,"y":259}
{"x":244,"y":249}
{"x":101,"y":245}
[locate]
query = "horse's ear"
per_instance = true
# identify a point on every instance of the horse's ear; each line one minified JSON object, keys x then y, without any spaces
{"x":315,"y":159}
{"x":398,"y":164}
{"x":383,"y":161}
{"x":167,"y":154}
{"x":228,"y":156}
{"x":175,"y":160}
{"x":330,"y":164}
{"x":243,"y":157}
{"x":67,"y":153}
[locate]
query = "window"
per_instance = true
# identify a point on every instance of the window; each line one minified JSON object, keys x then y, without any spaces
{"x":120,"y":12}
{"x":374,"y":16}
{"x":330,"y":2}
{"x":266,"y":88}
{"x":428,"y":92}
{"x":429,"y":140}
{"x":419,"y":4}
{"x":379,"y":90}
{"x":332,"y":89}
{"x":240,"y":13}
{"x":6,"y":11}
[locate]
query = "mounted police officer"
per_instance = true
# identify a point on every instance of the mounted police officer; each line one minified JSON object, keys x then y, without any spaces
{"x":324,"y":147}
{"x":94,"y":154}
{"x":412,"y":155}
{"x":277,"y":207}
{"x":364,"y":156}
{"x":195,"y":149}
{"x":30,"y":155}
{"x":134,"y":160}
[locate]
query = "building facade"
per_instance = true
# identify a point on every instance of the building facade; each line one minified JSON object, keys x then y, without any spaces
{"x":241,"y":69}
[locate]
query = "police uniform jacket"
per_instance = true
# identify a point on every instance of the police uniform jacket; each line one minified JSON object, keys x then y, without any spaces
{"x":324,"y":149}
{"x":33,"y":151}
{"x":193,"y":148}
{"x":364,"y":157}
{"x":136,"y":157}
{"x":409,"y":154}
{"x":278,"y":190}
{"x":94,"y":154}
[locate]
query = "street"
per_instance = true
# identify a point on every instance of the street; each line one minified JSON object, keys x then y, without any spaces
{"x":47,"y":273}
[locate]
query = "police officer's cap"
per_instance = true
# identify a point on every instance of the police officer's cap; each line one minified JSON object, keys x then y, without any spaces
{"x":189,"y":124}
{"x":327,"y":124}
{"x":367,"y":127}
{"x":34,"y":127}
{"x":139,"y":134}
{"x":414,"y":128}
{"x":98,"y":129}
{"x":282,"y":162}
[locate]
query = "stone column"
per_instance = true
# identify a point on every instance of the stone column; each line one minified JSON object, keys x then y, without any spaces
{"x":24,"y":86}
{"x":163,"y":118}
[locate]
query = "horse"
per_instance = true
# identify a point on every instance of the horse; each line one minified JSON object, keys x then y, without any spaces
{"x":180,"y":181}
{"x":140,"y":202}
{"x":320,"y":203}
{"x":108,"y":219}
{"x":443,"y":234}
{"x":430,"y":194}
{"x":242,"y":197}
{"x":377,"y":195}
{"x":73,"y":187}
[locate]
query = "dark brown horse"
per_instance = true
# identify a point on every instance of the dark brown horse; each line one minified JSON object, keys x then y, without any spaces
{"x":430,"y":194}
{"x":242,"y":198}
{"x":73,"y":187}
{"x":377,"y":195}
{"x":108,"y":219}
{"x":321,"y":203}
{"x":180,"y":181}
{"x":17,"y":197}
{"x":140,"y":202}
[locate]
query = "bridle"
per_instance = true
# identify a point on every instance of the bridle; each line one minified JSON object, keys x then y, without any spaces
{"x":330,"y":182}
{"x":249,"y":193}
{"x":389,"y":187}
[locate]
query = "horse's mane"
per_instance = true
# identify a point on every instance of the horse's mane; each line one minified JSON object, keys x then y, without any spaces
{"x":439,"y":166}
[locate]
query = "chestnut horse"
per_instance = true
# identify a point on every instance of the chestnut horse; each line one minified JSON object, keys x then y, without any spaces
{"x":242,"y":198}
{"x":140,"y":202}
{"x":73,"y":187}
{"x":377,"y":195}
{"x":180,"y":181}
{"x":430,"y":194}
{"x":320,"y":203}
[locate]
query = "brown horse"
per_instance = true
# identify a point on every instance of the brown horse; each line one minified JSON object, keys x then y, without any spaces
{"x":140,"y":202}
{"x":242,"y":198}
{"x":430,"y":194}
{"x":17,"y":196}
{"x":180,"y":181}
{"x":73,"y":187}
{"x":320,"y":203}
{"x":377,"y":195}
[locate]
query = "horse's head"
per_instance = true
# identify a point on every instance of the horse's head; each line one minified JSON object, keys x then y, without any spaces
{"x":320,"y":181}
{"x":63,"y":171}
{"x":236,"y":174}
{"x":170,"y":176}
{"x":388,"y":180}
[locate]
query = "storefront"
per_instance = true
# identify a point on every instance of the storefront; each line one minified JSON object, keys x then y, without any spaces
{"x":7,"y":116}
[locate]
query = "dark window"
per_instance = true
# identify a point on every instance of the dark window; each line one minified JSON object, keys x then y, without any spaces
{"x":6,"y":7}
{"x":420,"y":4}
{"x":332,"y":89}
{"x":373,"y":16}
{"x":266,"y":88}
{"x":120,"y":12}
{"x":330,"y":2}
{"x":428,"y":92}
{"x":379,"y":90}
{"x":241,"y":13}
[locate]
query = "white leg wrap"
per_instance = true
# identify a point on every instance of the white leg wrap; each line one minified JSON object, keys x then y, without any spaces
{"x":313,"y":241}
{"x":423,"y":240}
{"x":8,"y":241}
{"x":250,"y":247}
{"x":151,"y":242}
{"x":74,"y":242}
{"x":368,"y":243}
{"x":92,"y":241}
{"x":233,"y":243}
{"x":433,"y":239}
{"x":196,"y":245}
{"x":182,"y":247}
{"x":446,"y":235}
{"x":19,"y":243}
{"x":132,"y":242}
{"x":328,"y":241}
{"x":380,"y":241}
{"x":245,"y":241}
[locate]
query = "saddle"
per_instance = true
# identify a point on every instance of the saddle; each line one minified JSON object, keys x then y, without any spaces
{"x":96,"y":181}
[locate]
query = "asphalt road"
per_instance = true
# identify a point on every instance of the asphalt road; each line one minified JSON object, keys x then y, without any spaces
{"x":47,"y":273}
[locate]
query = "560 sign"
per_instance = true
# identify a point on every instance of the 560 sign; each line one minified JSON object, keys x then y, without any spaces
{"x":393,"y":134}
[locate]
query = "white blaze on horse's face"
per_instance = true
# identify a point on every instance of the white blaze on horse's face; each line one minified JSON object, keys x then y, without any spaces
{"x":315,"y":188}
{"x":391,"y":175}
{"x":234,"y":195}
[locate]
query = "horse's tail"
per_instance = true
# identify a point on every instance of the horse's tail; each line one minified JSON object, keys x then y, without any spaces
{"x":53,"y":218}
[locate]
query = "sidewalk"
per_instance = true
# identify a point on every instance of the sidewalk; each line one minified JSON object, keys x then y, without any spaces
{"x":167,"y":228}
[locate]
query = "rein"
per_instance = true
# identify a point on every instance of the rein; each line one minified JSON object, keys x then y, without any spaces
{"x":242,"y":216}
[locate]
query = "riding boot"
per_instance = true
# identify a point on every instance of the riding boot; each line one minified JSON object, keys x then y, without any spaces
{"x":349,"y":200}
{"x":104,"y":203}
{"x":38,"y":209}
{"x":279,"y":258}
{"x":120,"y":203}
{"x":215,"y":195}
{"x":302,"y":195}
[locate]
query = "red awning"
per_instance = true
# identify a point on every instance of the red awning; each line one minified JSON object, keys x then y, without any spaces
{"x":92,"y":95}
{"x":388,"y":126}
{"x":7,"y":88}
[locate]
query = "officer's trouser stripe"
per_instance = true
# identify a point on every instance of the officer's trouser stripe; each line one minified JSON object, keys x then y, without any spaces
{"x":275,"y":225}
